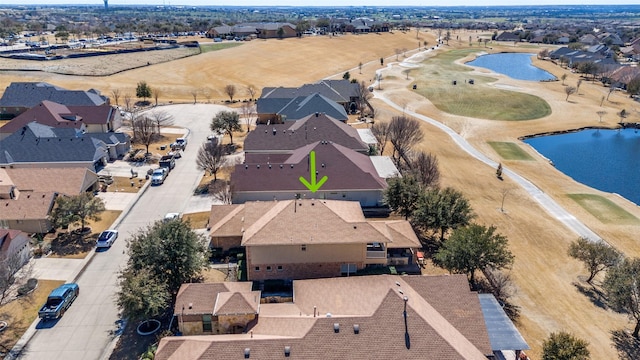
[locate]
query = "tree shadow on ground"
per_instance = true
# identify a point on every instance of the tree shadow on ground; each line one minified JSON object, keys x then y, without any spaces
{"x":72,"y":243}
{"x":131,"y":345}
{"x":596,"y":296}
{"x":627,"y":346}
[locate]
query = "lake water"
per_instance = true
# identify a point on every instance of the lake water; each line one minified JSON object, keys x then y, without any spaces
{"x":608,"y":160}
{"x":514,"y":65}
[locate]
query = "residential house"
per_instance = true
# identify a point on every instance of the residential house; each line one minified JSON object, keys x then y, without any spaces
{"x":350,"y":176}
{"x":20,"y":96}
{"x":283,"y":139}
{"x":27,"y":195}
{"x":227,"y":31}
{"x":280,"y":110}
{"x":508,"y":36}
{"x":14,"y":248}
{"x":218,"y":308}
{"x":588,"y":40}
{"x":36,"y":145}
{"x":343,"y":92}
{"x":361,"y":317}
{"x":276,"y":30}
{"x":306,"y":238}
{"x":91,"y":119}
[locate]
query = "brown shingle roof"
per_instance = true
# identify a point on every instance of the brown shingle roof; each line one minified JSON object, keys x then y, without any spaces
{"x":28,"y":206}
{"x":199,"y":298}
{"x":228,"y":303}
{"x":371,"y":302}
{"x":68,"y":181}
{"x":345,"y":169}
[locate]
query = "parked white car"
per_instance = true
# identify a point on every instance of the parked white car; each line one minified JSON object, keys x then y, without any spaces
{"x":158,"y":176}
{"x":106,"y":238}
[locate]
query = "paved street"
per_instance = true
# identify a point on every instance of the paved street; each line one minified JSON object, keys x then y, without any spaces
{"x":87,"y":329}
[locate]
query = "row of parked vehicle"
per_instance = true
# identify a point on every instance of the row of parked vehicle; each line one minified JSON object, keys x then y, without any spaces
{"x":168,"y":162}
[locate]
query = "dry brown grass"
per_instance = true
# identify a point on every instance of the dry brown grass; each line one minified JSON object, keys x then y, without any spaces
{"x":123,"y":184}
{"x":197,"y":220}
{"x":20,"y":313}
{"x":543,"y":274}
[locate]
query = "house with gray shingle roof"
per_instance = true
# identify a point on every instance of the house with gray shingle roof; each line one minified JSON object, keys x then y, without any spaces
{"x":285,"y":138}
{"x":44,"y":146}
{"x":20,"y":96}
{"x":343,"y":92}
{"x":365,"y":317}
{"x":297,"y":108}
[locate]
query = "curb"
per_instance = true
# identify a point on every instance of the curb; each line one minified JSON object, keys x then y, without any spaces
{"x":16,"y":350}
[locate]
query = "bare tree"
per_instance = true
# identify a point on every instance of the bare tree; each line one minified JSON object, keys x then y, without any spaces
{"x":611,"y":89}
{"x":144,"y":131}
{"x":211,"y":158}
{"x":9,"y":275}
{"x":360,"y":67}
{"x":194,"y":95}
{"x":398,"y":52}
{"x":569,"y":90}
{"x":247,"y":113}
{"x":207,"y":94}
{"x":601,"y":100}
{"x":404,"y":133}
{"x":381,"y":132}
{"x":404,"y":52}
{"x":115,"y":93}
{"x":156,"y":94}
{"x":251,"y":90}
{"x":230,"y":90}
{"x":504,"y":192}
{"x":161,"y":118}
{"x":127,"y":102}
{"x":424,"y":166}
{"x":221,"y":191}
{"x":578,"y":85}
{"x":601,"y":113}
{"x":563,"y":78}
{"x":363,"y":96}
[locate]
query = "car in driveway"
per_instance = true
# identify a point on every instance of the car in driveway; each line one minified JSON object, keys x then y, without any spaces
{"x":158,"y":176}
{"x":106,"y":238}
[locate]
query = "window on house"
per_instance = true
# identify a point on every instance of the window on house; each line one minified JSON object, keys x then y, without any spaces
{"x":279,"y":267}
{"x":303,"y":247}
{"x":257,"y":268}
{"x":268,"y":268}
{"x":206,"y":323}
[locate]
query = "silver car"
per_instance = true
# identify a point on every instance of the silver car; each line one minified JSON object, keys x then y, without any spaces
{"x":106,"y":238}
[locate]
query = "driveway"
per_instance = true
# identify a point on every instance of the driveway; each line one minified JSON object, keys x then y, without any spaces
{"x":87,"y":331}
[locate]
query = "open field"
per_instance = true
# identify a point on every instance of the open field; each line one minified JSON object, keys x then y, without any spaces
{"x":479,"y":100}
{"x":544,"y":275}
{"x":510,"y":151}
{"x":604,"y":209}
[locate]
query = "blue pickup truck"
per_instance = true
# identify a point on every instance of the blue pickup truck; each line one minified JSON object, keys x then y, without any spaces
{"x":59,"y":301}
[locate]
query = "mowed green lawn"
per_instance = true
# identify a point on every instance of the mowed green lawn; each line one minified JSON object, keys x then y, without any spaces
{"x":604,"y":209}
{"x":206,"y":47}
{"x":479,"y":100}
{"x":510,"y":151}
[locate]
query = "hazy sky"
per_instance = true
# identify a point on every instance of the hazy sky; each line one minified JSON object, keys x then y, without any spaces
{"x":328,"y":2}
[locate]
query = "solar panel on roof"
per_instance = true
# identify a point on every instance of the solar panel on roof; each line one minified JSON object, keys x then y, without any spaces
{"x":503,"y":335}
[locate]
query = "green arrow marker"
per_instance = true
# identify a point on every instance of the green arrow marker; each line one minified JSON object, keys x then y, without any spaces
{"x":313,"y":186}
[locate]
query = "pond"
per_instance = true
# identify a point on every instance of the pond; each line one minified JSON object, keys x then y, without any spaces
{"x":514,"y":65}
{"x":608,"y":160}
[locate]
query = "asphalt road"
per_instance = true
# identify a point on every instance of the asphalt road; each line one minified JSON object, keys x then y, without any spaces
{"x":87,"y":331}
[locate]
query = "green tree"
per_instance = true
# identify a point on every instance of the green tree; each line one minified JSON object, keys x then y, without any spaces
{"x":143,"y":91}
{"x":564,"y":346}
{"x":563,"y":77}
{"x":77,"y":209}
{"x":597,"y":256}
{"x":633,"y":87}
{"x":226,"y":121}
{"x":402,"y":194}
{"x":346,"y":76}
{"x":472,"y":248}
{"x":141,"y":295}
{"x":622,"y":286}
{"x":442,"y":210}
{"x":280,"y":33}
{"x":171,"y":251}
